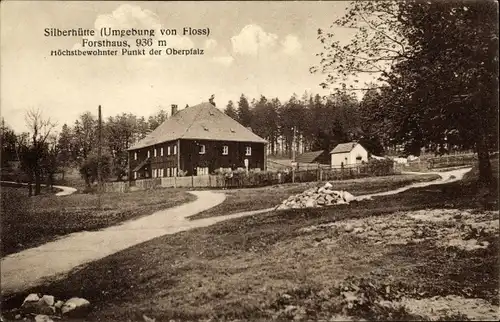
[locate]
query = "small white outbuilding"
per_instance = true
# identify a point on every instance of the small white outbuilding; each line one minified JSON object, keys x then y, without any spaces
{"x":346,"y":154}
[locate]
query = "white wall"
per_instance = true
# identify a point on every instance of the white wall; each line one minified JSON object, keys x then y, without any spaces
{"x":349,"y":157}
{"x":358,"y":151}
{"x":338,"y":158}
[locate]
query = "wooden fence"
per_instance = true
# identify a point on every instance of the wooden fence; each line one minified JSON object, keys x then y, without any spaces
{"x":446,"y":161}
{"x":253,"y":179}
{"x":203,"y":181}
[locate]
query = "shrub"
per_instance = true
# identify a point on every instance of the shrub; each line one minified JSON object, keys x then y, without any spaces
{"x":223,"y":171}
{"x":89,"y":168}
{"x":378,"y":167}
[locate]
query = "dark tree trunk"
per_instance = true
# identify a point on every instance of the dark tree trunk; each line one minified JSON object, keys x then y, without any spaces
{"x":51,"y":180}
{"x":30,"y":188}
{"x":37,"y":183}
{"x":485,"y":172}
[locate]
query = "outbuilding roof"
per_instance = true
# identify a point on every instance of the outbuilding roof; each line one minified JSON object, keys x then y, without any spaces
{"x":200,"y":122}
{"x":308,"y":157}
{"x":344,"y":147}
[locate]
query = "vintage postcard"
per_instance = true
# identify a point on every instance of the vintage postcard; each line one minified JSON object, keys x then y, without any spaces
{"x":249,"y":161}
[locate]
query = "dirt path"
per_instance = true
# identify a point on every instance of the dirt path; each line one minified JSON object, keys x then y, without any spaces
{"x":65,"y":190}
{"x":446,"y":177}
{"x":31,"y":267}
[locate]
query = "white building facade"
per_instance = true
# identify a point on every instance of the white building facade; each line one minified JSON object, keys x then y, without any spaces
{"x":348,"y":154}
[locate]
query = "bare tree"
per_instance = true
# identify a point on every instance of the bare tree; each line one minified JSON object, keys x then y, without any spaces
{"x":377,"y":44}
{"x":40,"y":129}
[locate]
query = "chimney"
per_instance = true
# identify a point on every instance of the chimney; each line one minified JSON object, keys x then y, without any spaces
{"x":174,"y":109}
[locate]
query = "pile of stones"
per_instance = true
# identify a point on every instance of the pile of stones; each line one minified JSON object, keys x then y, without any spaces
{"x":317,"y":197}
{"x":45,"y":308}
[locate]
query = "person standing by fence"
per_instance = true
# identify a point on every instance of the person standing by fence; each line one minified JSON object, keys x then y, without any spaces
{"x":227,"y":179}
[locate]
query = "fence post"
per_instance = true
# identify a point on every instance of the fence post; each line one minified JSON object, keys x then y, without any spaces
{"x":293,"y":175}
{"x":192,"y":181}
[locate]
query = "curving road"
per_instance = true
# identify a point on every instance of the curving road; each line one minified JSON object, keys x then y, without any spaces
{"x":446,"y":177}
{"x":64,"y":190}
{"x":31,"y":267}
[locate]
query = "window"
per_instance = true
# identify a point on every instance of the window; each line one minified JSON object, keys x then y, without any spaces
{"x":161,"y":152}
{"x":154,"y":173}
{"x":175,"y":149}
{"x":149,"y":153}
{"x":135,"y":155}
{"x":225,"y":150}
{"x":155,"y":152}
{"x":248,"y":150}
{"x":200,"y":171}
{"x":202,"y":148}
{"x":168,"y":172}
{"x":174,"y":172}
{"x":161,"y":173}
{"x":168,"y":150}
{"x":135,"y":172}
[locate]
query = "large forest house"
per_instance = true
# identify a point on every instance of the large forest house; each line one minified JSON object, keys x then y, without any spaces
{"x":197,"y":140}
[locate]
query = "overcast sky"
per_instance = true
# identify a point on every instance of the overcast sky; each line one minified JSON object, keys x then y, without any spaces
{"x":254,"y":48}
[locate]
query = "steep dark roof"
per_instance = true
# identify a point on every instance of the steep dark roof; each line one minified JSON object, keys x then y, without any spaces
{"x":309,"y":157}
{"x":344,"y":147}
{"x":199,"y":122}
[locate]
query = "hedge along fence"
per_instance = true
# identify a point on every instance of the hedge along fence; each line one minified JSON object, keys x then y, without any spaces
{"x":243,"y":179}
{"x":446,"y":161}
{"x":452,"y":161}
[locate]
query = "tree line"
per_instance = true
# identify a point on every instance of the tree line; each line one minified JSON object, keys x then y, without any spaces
{"x":42,"y":152}
{"x":437,"y":69}
{"x":312,"y":121}
{"x":437,"y":63}
{"x":316,"y":122}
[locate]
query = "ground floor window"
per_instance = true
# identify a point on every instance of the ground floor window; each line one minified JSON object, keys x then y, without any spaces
{"x":201,"y":171}
{"x":135,"y":174}
{"x":171,"y":172}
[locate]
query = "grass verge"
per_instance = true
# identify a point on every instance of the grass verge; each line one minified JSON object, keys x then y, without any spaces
{"x":28,"y":222}
{"x":261,"y":198}
{"x":266,"y":267}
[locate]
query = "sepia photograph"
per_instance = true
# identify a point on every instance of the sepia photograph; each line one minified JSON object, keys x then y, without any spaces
{"x":249,"y":160}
